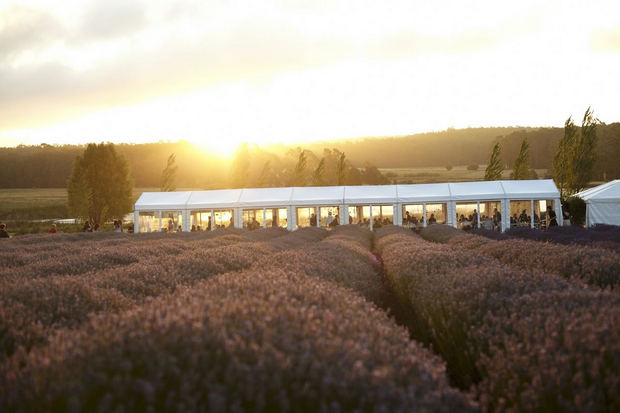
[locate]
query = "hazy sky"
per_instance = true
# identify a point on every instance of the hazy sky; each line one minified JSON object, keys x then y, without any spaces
{"x":223,"y":72}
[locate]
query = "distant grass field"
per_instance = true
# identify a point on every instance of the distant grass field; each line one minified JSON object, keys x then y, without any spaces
{"x":29,"y":210}
{"x":441,"y":174}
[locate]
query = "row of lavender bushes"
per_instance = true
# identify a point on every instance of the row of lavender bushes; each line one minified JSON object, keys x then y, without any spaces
{"x":595,"y":266}
{"x":599,"y":236}
{"x":282,"y":335}
{"x":85,"y":247}
{"x":521,"y":340}
{"x":33,"y":304}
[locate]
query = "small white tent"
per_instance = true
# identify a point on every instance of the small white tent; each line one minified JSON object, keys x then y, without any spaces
{"x":602,"y":203}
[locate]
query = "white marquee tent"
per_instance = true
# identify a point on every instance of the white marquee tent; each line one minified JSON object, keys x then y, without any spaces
{"x":602,"y":203}
{"x":388,"y":202}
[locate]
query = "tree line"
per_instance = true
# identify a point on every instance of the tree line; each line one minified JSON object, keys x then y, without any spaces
{"x":573,"y":164}
{"x":46,"y":166}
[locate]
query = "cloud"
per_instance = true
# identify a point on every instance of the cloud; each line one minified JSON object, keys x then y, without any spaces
{"x":25,"y":29}
{"x":112,"y":18}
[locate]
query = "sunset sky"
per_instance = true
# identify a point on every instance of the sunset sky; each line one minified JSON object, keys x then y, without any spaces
{"x":223,"y":72}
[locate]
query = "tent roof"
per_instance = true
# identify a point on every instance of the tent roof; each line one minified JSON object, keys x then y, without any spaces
{"x":368,"y":194}
{"x":474,"y":191}
{"x":365,"y":194}
{"x":317,"y":195}
{"x":265,"y":197}
{"x":423,"y":192}
{"x":219,"y":198}
{"x":607,"y":192}
{"x":533,"y":188}
{"x":162,"y":200}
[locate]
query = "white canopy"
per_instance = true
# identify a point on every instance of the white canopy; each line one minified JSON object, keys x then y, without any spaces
{"x":265,"y":197}
{"x":220,"y":198}
{"x":531,"y":189}
{"x":602,"y":203}
{"x":413,"y":194}
{"x":370,"y":194}
{"x":317,"y":195}
{"x":351,"y":195}
{"x":477,"y":191}
{"x":154,"y":201}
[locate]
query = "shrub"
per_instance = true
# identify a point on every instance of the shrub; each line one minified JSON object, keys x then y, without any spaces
{"x":32,"y":308}
{"x":595,"y":266}
{"x":259,"y":340}
{"x":577,"y":210}
{"x":526,"y":341}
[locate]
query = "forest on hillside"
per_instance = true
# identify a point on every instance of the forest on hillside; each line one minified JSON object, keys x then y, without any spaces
{"x":47,"y":166}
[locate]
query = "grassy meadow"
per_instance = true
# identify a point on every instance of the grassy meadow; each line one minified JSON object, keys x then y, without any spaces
{"x":30,"y":210}
{"x":427,"y":175}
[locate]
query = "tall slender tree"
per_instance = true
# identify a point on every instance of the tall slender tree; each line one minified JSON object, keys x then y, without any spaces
{"x":495,"y":167}
{"x":318,"y":176}
{"x":169,"y":175}
{"x":521,"y":168}
{"x":100,"y":181}
{"x":563,"y":158}
{"x":341,"y":169}
{"x":299,"y":174}
{"x":583,"y":154}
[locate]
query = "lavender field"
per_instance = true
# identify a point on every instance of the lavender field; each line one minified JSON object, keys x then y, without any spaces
{"x":311,"y":320}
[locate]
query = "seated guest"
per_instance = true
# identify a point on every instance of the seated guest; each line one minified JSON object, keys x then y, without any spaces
{"x":432,"y":219}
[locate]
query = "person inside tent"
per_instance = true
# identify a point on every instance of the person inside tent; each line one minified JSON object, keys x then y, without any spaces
{"x":432,"y":219}
{"x":551,"y":217}
{"x":330,"y":219}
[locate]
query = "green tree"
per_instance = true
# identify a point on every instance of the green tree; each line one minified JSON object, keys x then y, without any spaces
{"x":521,"y":168}
{"x":78,"y":191}
{"x":299,"y":174}
{"x":318,"y":177}
{"x":494,"y":168}
{"x":169,"y":175}
{"x":583,"y":154}
{"x":99,"y":187}
{"x":240,"y":169}
{"x":563,"y":157}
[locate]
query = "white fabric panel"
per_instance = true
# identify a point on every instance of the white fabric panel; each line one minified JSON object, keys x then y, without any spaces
{"x":476,"y":191}
{"x":220,"y":198}
{"x":418,"y":193}
{"x":370,"y":194}
{"x":603,"y":213}
{"x":317,"y":195}
{"x":265,"y":197}
{"x":531,"y":189}
{"x":149,"y":201}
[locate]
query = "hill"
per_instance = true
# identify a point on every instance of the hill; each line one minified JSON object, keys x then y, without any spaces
{"x":47,"y":166}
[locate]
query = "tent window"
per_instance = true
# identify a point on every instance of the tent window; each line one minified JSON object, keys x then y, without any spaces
{"x":253,"y":218}
{"x":415,"y":218}
{"x":223,"y":218}
{"x":200,"y":220}
{"x":305,"y":215}
{"x":520,"y":214}
{"x":276,"y":217}
{"x":359,"y":215}
{"x":329,"y":216}
{"x":437,"y":212}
